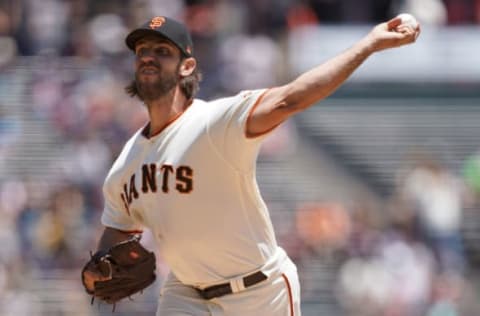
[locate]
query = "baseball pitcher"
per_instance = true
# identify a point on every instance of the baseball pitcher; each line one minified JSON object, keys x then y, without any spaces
{"x":188,"y":175}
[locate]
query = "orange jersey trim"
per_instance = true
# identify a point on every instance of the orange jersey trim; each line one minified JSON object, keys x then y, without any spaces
{"x":131,"y":231}
{"x":173,"y":119}
{"x":127,"y":231}
{"x":290,"y":296}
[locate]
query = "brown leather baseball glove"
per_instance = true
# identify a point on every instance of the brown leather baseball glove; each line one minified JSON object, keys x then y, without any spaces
{"x":126,"y":268}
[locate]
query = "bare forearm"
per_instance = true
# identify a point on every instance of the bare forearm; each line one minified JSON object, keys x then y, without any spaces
{"x":111,"y":237}
{"x":323,"y":80}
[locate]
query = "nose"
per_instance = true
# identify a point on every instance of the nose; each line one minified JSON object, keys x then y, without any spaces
{"x":145,"y":56}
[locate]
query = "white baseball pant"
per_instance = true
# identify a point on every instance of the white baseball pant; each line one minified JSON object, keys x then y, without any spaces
{"x":279,"y":295}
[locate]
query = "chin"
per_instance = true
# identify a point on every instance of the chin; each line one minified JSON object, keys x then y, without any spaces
{"x":149,"y":79}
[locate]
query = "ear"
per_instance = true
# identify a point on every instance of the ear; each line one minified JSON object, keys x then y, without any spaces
{"x":188,"y":66}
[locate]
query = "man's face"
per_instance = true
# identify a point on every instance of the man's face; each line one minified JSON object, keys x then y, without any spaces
{"x":157,"y":65}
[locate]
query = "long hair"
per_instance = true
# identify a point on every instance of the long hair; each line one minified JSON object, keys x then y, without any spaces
{"x":189,"y":85}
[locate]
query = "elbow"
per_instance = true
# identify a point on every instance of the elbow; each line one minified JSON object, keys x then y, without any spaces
{"x":291,"y":100}
{"x":297,"y":99}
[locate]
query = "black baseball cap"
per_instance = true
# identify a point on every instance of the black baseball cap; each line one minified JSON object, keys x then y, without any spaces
{"x":165,"y":27}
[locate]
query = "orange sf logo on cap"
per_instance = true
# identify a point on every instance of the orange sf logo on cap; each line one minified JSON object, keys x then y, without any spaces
{"x":156,"y":22}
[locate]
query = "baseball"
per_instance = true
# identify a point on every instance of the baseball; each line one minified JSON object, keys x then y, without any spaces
{"x":408,"y":19}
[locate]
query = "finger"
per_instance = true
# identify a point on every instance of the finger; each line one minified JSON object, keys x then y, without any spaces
{"x":405,"y":29}
{"x":393,"y":23}
{"x":92,"y":276}
{"x":410,"y":33}
{"x":399,"y":36}
{"x":89,"y":280}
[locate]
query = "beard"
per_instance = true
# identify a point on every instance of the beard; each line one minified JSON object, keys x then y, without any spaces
{"x":161,"y":86}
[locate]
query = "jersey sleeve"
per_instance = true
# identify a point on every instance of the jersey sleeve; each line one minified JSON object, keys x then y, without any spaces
{"x":227,"y":128}
{"x":115,"y":213}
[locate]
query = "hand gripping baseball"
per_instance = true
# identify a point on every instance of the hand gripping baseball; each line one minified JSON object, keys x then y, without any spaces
{"x":393,"y":33}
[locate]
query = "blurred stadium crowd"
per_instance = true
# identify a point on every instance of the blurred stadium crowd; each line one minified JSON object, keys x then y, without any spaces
{"x":64,"y":117}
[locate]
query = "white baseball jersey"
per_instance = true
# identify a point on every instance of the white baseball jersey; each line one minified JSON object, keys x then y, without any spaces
{"x":193,"y":184}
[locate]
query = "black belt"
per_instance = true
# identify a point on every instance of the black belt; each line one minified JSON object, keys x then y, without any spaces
{"x":225,"y":288}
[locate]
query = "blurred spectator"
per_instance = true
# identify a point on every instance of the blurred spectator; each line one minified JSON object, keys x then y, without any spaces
{"x":37,"y":195}
{"x":108,"y":32}
{"x":8,"y":45}
{"x":446,"y":292}
{"x":436,"y":197}
{"x":48,"y":240}
{"x":394,"y":280}
{"x":10,"y":132}
{"x":43,"y":27}
{"x":85,"y":160}
{"x":249,"y":61}
{"x":365,"y":232}
{"x":325,"y":227}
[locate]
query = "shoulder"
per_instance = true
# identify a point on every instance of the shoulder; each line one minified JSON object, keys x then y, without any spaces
{"x":228,"y":101}
{"x":135,"y":138}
